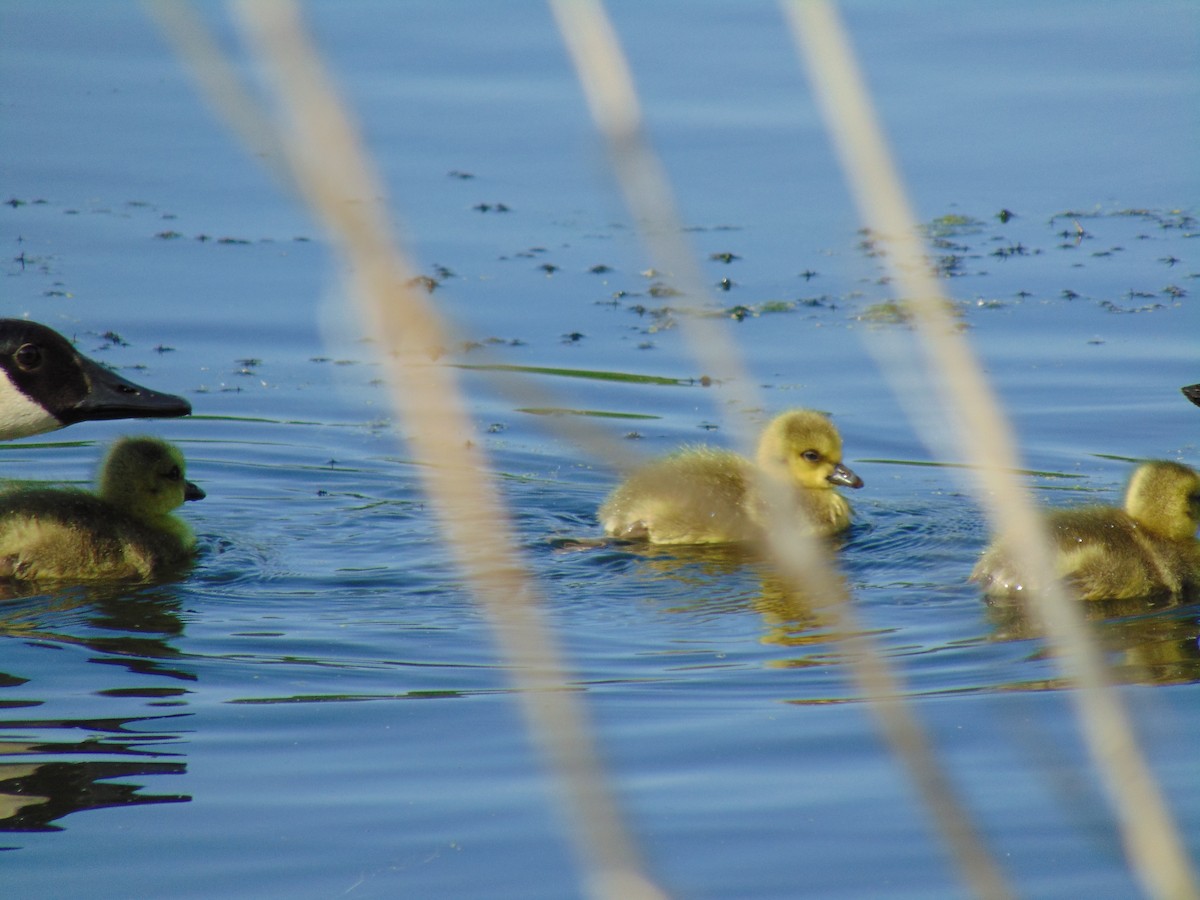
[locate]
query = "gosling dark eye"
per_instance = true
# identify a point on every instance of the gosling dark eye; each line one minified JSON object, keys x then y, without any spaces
{"x":175,"y":474}
{"x":28,"y":357}
{"x":811,"y":455}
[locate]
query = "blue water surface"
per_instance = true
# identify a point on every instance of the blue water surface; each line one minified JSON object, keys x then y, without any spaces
{"x":319,"y":709}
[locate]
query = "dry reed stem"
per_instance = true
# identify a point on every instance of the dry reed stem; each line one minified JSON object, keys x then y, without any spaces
{"x":330,"y":170}
{"x":1151,"y":838}
{"x":800,"y":560}
{"x":219,"y":82}
{"x":612,"y":98}
{"x":242,"y":112}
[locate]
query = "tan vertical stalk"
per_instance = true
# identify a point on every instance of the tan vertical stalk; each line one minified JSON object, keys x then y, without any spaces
{"x":329,"y":168}
{"x":608,"y":86}
{"x":1151,"y":838}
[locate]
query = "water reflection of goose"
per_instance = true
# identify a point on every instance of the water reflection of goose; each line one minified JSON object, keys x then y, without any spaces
{"x":46,"y":384}
{"x":34,"y":796}
{"x":124,"y":531}
{"x":57,"y":763}
{"x":703,"y":495}
{"x":1147,"y":549}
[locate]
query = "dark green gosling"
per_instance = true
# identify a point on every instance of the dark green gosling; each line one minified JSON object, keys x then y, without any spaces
{"x":704,"y":495}
{"x":124,"y":531}
{"x":45,"y":384}
{"x":1148,"y":549}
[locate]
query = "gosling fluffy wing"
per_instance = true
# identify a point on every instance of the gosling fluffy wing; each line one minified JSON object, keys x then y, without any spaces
{"x":1103,"y":553}
{"x":697,"y":496}
{"x":75,"y":536}
{"x":827,"y":512}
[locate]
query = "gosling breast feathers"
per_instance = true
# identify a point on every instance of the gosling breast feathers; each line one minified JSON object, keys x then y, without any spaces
{"x":703,"y":495}
{"x":1147,"y":549}
{"x":45,"y":384}
{"x":124,"y":531}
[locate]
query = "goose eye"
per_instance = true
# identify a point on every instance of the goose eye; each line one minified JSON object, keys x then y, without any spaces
{"x":175,"y":474}
{"x":28,"y":356}
{"x":811,"y":455}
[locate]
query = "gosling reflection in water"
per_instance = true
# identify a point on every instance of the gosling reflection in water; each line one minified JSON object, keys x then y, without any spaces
{"x":1147,"y":549}
{"x":80,"y":764}
{"x":715,"y":510}
{"x":733,"y":579}
{"x":1148,"y":641}
{"x":32,"y":797}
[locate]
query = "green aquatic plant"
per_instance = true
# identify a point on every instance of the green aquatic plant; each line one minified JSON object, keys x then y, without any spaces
{"x":593,"y":413}
{"x":592,"y":374}
{"x":902,"y":312}
{"x":952,"y":225}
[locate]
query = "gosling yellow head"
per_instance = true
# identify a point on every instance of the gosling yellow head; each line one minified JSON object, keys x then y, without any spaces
{"x":1164,"y":498}
{"x":125,"y":531}
{"x":804,"y":448}
{"x":703,"y":495}
{"x":145,"y":477}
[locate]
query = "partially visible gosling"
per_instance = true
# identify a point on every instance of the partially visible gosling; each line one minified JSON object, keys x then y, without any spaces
{"x":1192,"y":392}
{"x":1147,"y":549}
{"x":124,"y":531}
{"x":703,"y":495}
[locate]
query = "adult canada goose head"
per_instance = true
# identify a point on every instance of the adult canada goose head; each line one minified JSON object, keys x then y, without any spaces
{"x":45,"y":383}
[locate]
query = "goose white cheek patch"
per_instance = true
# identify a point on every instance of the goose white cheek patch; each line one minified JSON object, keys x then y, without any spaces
{"x":20,"y":416}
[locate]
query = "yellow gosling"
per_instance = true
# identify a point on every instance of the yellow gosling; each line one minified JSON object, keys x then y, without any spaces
{"x":1147,"y":549}
{"x":704,"y":495}
{"x":124,"y":531}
